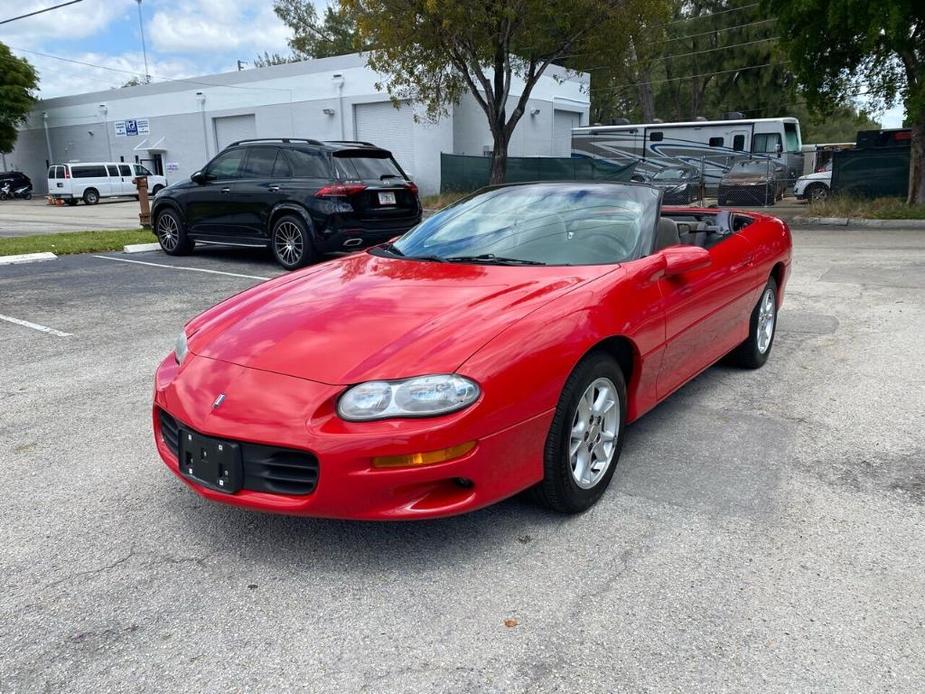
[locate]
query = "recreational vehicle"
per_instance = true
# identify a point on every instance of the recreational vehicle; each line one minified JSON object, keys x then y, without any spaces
{"x":710,"y":146}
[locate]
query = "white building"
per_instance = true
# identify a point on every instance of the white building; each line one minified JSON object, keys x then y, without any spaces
{"x":175,"y":127}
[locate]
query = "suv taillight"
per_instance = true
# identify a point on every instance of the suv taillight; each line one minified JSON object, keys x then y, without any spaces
{"x":340,"y":190}
{"x":412,"y":187}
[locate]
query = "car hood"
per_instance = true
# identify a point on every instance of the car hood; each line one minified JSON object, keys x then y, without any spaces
{"x":816,"y":176}
{"x":366,"y":317}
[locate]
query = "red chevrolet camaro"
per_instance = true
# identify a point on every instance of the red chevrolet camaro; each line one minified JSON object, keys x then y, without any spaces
{"x":502,"y":345}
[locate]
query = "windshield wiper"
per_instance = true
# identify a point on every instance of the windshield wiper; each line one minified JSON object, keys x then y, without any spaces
{"x":492,"y":259}
{"x":391,"y":248}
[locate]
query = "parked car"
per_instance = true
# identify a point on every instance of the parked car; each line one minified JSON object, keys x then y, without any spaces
{"x":15,"y":184}
{"x":752,"y":182}
{"x":814,"y":187}
{"x":92,"y":181}
{"x":503,"y":344}
{"x":679,"y":185}
{"x":301,"y":198}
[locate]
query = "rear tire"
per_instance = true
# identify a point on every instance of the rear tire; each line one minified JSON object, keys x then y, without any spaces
{"x":585,"y":438}
{"x":762,"y":326}
{"x":291,"y":243}
{"x":91,"y":196}
{"x":171,"y":235}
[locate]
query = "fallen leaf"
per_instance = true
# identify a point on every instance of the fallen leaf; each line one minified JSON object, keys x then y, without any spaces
{"x":510,"y":623}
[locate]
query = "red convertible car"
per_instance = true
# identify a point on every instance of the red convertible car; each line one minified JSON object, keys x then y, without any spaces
{"x":502,"y":345}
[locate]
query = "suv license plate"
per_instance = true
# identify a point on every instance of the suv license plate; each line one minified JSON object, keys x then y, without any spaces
{"x":386,"y":198}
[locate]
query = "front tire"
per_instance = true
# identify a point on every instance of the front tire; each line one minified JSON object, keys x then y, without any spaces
{"x":817,"y":192}
{"x":290,"y":243}
{"x":171,"y":234}
{"x":91,"y":196}
{"x":70,"y":202}
{"x":157,"y":189}
{"x":586,"y":436}
{"x":754,"y":352}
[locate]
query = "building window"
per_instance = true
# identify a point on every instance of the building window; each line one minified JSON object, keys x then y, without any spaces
{"x":717,"y":142}
{"x":656,"y":136}
{"x":738,"y":143}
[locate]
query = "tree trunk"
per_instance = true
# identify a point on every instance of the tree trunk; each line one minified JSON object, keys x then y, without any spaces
{"x":498,"y":159}
{"x":917,"y":166}
{"x":646,"y":100}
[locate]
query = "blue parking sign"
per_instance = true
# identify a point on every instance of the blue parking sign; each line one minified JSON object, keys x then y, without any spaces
{"x":131,"y":127}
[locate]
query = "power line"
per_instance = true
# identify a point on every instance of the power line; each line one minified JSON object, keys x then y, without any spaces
{"x":718,"y":48}
{"x":719,"y":31}
{"x":713,"y":14}
{"x":47,"y":9}
{"x":689,"y":77}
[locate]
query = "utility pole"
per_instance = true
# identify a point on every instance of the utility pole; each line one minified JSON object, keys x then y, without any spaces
{"x":241,"y":65}
{"x":144,"y":50}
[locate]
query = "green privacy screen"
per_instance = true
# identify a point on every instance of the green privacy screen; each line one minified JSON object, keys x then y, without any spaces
{"x":460,"y":173}
{"x":874,"y":172}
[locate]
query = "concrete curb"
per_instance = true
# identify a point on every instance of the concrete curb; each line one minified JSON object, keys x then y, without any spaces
{"x":860,"y":222}
{"x":26,"y":258}
{"x":141,"y":247}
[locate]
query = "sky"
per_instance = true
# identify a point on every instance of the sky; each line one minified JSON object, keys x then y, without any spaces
{"x":185,"y":38}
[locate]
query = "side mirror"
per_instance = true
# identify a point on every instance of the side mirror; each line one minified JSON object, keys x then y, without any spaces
{"x":198,"y":177}
{"x":681,"y":259}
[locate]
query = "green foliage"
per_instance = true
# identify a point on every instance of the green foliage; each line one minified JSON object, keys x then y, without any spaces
{"x":841,"y":124}
{"x":75,"y":242}
{"x":268,"y":59}
{"x":335,"y":34}
{"x":432,"y":51}
{"x":18,"y":82}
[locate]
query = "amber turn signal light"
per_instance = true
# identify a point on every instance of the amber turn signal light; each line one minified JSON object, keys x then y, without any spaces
{"x":429,"y":458}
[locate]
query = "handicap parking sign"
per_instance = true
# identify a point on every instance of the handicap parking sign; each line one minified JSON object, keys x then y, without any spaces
{"x":131,"y":127}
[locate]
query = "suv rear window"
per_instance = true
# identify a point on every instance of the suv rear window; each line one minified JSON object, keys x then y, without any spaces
{"x":362,"y":166}
{"x":307,"y":164}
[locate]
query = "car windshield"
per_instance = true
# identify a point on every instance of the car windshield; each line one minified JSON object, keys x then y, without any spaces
{"x":538,"y":224}
{"x":670,"y":175}
{"x":750,"y":169}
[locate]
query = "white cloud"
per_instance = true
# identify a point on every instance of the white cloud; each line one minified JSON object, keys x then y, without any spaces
{"x":59,"y":78}
{"x":207,"y":26}
{"x":72,"y":22}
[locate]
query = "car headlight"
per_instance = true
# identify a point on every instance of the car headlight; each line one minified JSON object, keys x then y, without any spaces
{"x":423,"y":396}
{"x":181,"y":348}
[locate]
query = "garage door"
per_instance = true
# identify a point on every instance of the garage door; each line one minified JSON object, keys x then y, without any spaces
{"x":230,"y":129}
{"x":563,"y":122}
{"x":387,"y":127}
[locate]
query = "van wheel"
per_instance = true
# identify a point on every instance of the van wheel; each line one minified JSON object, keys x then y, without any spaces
{"x":171,"y":235}
{"x":290,"y":242}
{"x":70,"y":202}
{"x":157,"y":189}
{"x":91,"y":196}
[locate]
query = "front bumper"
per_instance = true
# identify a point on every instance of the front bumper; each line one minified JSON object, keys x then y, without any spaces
{"x":273,"y":410}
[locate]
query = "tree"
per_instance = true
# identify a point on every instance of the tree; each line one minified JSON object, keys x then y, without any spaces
{"x":840,"y":48}
{"x":314,"y":38}
{"x":839,"y":125}
{"x":268,"y":59}
{"x":432,"y":51}
{"x":134,"y":82}
{"x":18,"y":82}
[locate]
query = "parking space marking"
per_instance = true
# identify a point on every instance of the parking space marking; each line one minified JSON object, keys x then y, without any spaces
{"x":182,"y":267}
{"x":34,"y":326}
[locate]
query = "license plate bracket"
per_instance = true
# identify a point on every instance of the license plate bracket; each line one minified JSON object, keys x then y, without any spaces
{"x":387,"y":198}
{"x":213,"y":463}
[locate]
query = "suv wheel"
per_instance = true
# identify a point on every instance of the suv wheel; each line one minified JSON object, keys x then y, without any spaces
{"x":91,"y":196}
{"x":290,"y":243}
{"x":171,"y":235}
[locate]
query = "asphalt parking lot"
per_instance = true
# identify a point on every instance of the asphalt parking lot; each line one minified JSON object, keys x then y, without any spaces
{"x":763,"y":532}
{"x":36,"y":216}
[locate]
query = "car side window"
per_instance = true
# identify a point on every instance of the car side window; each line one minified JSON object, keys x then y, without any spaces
{"x":259,"y":162}
{"x":281,"y":167}
{"x":738,"y":142}
{"x":125,"y":170}
{"x":226,"y":165}
{"x":308,"y":164}
{"x":112,"y":170}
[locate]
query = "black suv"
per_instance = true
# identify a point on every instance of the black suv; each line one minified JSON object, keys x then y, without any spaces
{"x":302,"y":198}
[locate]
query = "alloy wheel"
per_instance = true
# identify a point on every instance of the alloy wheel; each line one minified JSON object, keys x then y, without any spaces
{"x":766,"y":319}
{"x":594,"y":432}
{"x":288,"y":243}
{"x":168,"y":232}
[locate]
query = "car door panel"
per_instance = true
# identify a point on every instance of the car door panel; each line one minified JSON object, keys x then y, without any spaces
{"x":706,"y":311}
{"x":213,"y":209}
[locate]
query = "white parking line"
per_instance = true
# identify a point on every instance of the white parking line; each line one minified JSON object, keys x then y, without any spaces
{"x":34,"y":326}
{"x":181,"y":267}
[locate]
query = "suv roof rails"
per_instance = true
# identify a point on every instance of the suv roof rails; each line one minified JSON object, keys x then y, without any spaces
{"x":276,"y":139}
{"x":352,"y":142}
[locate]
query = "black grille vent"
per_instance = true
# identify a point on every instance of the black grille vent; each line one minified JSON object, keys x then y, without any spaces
{"x":266,"y":468}
{"x":169,"y":432}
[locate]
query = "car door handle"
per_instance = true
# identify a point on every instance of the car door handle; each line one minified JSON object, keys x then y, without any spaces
{"x":274,"y":189}
{"x":226,"y":190}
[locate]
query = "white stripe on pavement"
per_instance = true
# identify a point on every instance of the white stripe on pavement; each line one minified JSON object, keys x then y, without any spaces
{"x":34,"y":326}
{"x":181,"y":267}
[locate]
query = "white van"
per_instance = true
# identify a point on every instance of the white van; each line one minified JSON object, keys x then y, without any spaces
{"x":91,"y":181}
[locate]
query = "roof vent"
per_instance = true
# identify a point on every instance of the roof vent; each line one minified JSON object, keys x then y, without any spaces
{"x":657,"y":120}
{"x":733,"y":115}
{"x":701,"y":118}
{"x":619,"y":121}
